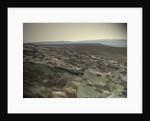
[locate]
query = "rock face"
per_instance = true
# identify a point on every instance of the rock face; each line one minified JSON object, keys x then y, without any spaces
{"x":85,"y":91}
{"x":74,"y":71}
{"x":93,"y":78}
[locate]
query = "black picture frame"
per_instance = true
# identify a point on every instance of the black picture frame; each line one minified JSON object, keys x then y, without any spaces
{"x":4,"y":4}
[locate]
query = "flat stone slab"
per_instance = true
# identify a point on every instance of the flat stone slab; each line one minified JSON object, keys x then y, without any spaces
{"x":85,"y":91}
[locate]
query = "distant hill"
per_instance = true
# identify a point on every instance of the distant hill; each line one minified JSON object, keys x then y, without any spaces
{"x":54,"y":42}
{"x":108,"y":42}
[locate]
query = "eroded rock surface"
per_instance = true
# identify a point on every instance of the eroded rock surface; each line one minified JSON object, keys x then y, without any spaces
{"x":74,"y":71}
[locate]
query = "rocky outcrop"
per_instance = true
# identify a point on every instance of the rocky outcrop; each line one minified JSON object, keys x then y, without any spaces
{"x":85,"y":91}
{"x":74,"y":71}
{"x":93,"y":78}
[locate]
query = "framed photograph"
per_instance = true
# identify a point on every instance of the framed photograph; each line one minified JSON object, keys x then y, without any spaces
{"x":74,"y":60}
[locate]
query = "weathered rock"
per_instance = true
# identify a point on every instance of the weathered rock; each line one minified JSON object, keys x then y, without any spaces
{"x":94,"y":78}
{"x":119,"y":87}
{"x":77,"y":79}
{"x":85,"y":91}
{"x":124,"y":78}
{"x":58,"y":94}
{"x":71,"y":93}
{"x":124,"y":92}
{"x":103,"y":95}
{"x":122,"y":71}
{"x":74,"y":84}
{"x":90,"y":70}
{"x":116,"y":90}
{"x":99,"y":81}
{"x":35,"y":92}
{"x":45,"y":81}
{"x":106,"y":63}
{"x":115,"y":94}
{"x":90,"y":83}
{"x":72,"y":71}
{"x":105,"y":91}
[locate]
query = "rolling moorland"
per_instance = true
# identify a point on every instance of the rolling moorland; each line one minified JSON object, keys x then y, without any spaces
{"x":74,"y":70}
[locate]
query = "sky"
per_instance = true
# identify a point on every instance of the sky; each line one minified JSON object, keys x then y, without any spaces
{"x":44,"y":32}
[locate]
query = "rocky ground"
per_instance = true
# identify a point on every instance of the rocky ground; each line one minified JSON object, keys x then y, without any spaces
{"x":74,"y":71}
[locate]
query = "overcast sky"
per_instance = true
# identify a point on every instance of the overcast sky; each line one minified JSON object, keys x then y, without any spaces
{"x":40,"y":32}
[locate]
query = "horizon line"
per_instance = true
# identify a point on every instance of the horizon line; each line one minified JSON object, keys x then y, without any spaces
{"x":71,"y":40}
